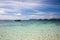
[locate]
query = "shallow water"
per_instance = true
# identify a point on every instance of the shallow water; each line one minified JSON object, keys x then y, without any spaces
{"x":30,"y":30}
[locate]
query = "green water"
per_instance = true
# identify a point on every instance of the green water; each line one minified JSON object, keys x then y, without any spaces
{"x":30,"y":30}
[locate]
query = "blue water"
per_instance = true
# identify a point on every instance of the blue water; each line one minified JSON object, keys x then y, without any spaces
{"x":30,"y":30}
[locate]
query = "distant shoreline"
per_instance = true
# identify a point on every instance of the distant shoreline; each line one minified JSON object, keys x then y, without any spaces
{"x":52,"y":19}
{"x":34,"y":20}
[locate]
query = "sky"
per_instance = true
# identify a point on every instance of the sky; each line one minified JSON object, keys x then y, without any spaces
{"x":29,"y":9}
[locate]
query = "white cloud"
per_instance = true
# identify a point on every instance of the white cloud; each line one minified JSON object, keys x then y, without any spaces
{"x":7,"y":17}
{"x":16,"y":7}
{"x":2,"y":11}
{"x":40,"y":12}
{"x":12,"y":17}
{"x":35,"y":17}
{"x":18,"y":14}
{"x":50,"y":15}
{"x":45,"y":15}
{"x":15,"y":4}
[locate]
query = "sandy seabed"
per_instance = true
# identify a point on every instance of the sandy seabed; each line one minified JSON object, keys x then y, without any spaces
{"x":17,"y":34}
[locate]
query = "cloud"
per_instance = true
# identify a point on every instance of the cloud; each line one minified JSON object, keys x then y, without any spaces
{"x":18,"y":14}
{"x":44,"y":15}
{"x":13,"y":9}
{"x":15,"y":6}
{"x":39,"y":13}
{"x":35,"y":17}
{"x":7,"y":17}
{"x":2,"y":11}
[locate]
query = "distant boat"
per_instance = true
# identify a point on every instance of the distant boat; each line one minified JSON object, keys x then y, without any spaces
{"x":17,"y":20}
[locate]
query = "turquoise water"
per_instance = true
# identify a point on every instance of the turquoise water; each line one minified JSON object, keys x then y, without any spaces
{"x":30,"y":30}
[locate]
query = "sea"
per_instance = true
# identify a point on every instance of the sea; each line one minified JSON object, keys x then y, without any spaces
{"x":29,"y":30}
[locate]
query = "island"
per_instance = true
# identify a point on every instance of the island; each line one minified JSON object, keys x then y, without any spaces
{"x":17,"y":20}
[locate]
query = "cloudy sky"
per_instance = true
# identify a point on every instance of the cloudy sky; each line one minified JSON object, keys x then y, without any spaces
{"x":29,"y":9}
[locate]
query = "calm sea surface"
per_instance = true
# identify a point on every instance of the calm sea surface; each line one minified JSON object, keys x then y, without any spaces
{"x":30,"y":30}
